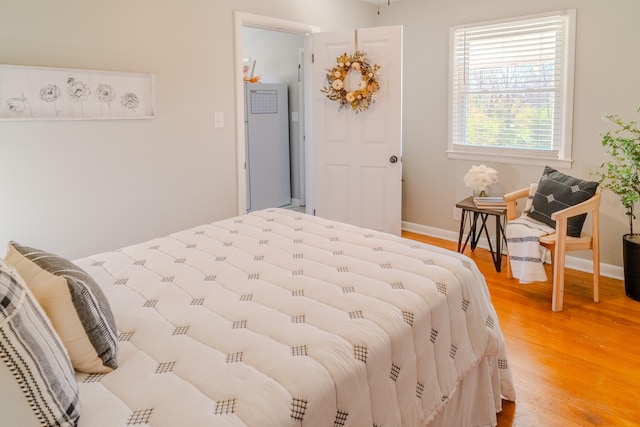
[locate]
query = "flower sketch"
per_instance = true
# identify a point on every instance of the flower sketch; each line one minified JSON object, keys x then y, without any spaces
{"x":77,"y":90}
{"x":42,"y":93}
{"x":105,"y":93}
{"x":50,"y":93}
{"x":18,"y":105}
{"x":130,"y":100}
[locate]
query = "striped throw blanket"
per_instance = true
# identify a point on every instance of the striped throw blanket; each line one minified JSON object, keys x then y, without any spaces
{"x":525,"y":253}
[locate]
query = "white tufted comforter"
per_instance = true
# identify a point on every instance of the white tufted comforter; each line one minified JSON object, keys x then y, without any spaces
{"x":279,"y":319}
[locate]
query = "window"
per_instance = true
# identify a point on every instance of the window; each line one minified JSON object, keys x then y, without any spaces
{"x":511,"y":90}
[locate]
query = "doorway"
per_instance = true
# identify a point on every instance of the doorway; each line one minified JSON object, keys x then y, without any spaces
{"x":293,"y":29}
{"x":274,"y":61}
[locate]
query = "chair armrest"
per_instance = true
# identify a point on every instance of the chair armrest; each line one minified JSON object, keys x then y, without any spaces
{"x":587,"y":206}
{"x":515,"y":195}
{"x":511,"y":199}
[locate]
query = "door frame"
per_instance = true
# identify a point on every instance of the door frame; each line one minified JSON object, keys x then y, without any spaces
{"x":301,"y":129}
{"x":242,"y":19}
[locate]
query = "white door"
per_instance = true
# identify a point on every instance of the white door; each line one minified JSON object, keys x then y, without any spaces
{"x":356,"y":162}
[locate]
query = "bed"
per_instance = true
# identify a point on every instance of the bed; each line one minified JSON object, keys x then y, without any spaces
{"x":277,"y":318}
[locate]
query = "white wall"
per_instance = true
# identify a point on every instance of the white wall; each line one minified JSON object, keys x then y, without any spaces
{"x":606,"y":81}
{"x":81,"y":187}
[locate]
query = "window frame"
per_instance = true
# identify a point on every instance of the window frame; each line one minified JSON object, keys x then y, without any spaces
{"x":563,"y":156}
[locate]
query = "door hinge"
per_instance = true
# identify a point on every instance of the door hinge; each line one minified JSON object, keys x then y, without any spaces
{"x":313,"y":58}
{"x":314,"y":212}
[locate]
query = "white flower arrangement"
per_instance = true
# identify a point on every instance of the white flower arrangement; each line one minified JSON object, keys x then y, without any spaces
{"x":480,"y":178}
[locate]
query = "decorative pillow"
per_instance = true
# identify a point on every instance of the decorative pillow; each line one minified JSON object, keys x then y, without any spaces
{"x":75,"y":304}
{"x":37,"y":384}
{"x":557,"y":191}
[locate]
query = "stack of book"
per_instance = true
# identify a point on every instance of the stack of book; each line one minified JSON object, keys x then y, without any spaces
{"x":495,"y":202}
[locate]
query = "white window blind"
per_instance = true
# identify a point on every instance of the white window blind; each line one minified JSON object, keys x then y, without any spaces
{"x":509,"y":85}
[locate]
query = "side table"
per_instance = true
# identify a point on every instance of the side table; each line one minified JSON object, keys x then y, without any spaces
{"x":470,"y":214}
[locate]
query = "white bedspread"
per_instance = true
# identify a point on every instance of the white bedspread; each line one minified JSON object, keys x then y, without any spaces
{"x":279,"y":319}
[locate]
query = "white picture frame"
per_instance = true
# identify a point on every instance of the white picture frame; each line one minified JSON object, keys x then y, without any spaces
{"x":41,"y":93}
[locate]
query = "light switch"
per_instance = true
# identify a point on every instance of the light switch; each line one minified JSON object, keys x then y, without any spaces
{"x":294,"y":116}
{"x":218,"y":119}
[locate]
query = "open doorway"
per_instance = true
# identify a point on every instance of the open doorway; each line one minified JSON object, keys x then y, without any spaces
{"x":274,"y":66}
{"x":282,"y":28}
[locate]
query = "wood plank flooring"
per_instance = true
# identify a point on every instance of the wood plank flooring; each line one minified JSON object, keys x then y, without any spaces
{"x":578,"y":367}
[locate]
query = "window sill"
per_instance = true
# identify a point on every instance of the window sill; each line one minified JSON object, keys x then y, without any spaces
{"x":511,"y":159}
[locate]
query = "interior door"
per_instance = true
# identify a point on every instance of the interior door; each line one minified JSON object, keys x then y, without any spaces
{"x":356,"y":158}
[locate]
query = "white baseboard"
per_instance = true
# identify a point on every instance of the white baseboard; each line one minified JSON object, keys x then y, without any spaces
{"x":574,"y":263}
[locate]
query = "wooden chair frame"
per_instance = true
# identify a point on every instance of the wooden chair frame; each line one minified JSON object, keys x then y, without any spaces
{"x":559,"y":243}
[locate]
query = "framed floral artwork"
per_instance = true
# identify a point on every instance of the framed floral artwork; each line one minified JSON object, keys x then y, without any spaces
{"x":58,"y":93}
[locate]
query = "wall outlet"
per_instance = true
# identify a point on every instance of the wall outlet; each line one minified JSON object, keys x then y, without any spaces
{"x":457,"y":214}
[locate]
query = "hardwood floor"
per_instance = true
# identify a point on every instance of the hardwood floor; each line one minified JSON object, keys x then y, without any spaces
{"x":578,"y":367}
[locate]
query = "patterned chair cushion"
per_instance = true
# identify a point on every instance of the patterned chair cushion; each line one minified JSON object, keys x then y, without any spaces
{"x":557,"y":191}
{"x":76,"y":306}
{"x":37,"y":380}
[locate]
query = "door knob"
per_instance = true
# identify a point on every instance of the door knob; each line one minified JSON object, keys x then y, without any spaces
{"x":393,"y":159}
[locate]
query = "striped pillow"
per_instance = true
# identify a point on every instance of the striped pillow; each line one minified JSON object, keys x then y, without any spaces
{"x":75,"y":304}
{"x":36,"y":376}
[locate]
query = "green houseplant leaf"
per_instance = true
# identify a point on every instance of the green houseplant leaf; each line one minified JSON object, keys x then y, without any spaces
{"x":620,"y":173}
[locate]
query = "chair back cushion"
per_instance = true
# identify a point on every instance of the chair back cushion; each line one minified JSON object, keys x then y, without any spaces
{"x":557,"y":191}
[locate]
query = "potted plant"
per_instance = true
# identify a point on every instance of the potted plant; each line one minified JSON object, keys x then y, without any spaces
{"x":621,"y":175}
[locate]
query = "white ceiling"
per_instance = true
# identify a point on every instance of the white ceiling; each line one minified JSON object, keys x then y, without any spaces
{"x":381,"y":2}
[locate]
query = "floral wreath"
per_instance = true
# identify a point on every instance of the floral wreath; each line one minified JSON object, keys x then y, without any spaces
{"x":365,"y":95}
